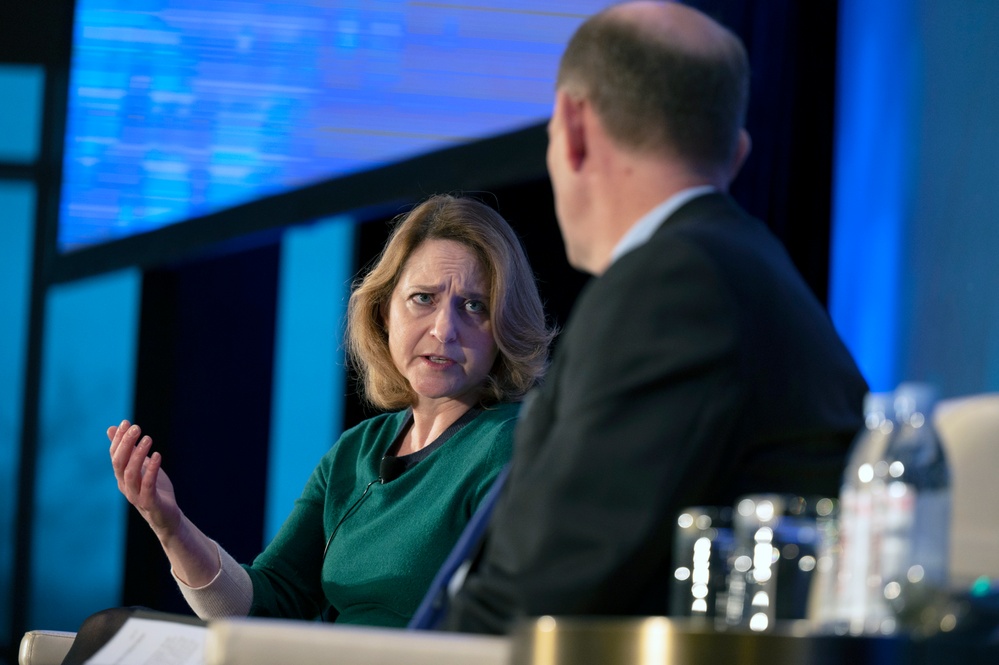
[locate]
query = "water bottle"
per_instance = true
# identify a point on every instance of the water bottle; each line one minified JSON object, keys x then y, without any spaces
{"x":859,"y":605}
{"x":914,"y":512}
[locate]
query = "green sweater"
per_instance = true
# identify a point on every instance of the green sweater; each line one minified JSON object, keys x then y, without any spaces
{"x":387,"y":551}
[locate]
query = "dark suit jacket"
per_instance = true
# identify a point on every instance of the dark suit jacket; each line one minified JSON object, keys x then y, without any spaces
{"x":697,"y":368}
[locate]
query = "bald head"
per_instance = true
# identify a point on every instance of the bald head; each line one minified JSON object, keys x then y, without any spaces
{"x":663,"y":78}
{"x":673,"y":23}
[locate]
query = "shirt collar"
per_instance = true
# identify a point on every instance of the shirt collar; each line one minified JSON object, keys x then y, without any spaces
{"x":642,"y":230}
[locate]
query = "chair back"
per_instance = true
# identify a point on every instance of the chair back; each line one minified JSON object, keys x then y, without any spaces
{"x":969,"y":429}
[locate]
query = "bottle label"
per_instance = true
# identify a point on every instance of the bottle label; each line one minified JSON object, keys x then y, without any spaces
{"x":855,"y":543}
{"x":916,"y":539}
{"x":931,"y":536}
{"x":897,"y":516}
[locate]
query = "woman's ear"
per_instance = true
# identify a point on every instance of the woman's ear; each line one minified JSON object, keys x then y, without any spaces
{"x":383,"y":317}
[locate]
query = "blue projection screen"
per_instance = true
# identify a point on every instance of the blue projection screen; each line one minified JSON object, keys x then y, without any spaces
{"x":178,"y":108}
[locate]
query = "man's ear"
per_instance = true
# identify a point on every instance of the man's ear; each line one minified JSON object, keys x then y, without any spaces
{"x":742,"y":150}
{"x":574,"y":126}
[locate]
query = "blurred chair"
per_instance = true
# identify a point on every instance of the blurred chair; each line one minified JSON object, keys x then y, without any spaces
{"x":969,"y":429}
{"x":257,"y":641}
{"x":44,"y":647}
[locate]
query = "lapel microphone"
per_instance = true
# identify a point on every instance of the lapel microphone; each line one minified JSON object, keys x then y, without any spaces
{"x":390,"y":468}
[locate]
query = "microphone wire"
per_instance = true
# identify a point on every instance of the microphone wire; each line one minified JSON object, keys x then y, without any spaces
{"x":345,"y":516}
{"x":322,"y":561}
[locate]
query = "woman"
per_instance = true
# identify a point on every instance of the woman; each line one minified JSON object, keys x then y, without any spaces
{"x":447,"y":331}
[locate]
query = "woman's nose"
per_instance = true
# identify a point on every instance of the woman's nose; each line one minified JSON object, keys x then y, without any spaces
{"x":445,"y":325}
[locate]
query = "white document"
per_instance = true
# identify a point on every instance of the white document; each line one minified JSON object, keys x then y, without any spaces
{"x":151,"y":642}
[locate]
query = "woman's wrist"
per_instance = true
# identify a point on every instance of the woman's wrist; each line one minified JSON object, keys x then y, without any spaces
{"x":194,"y":557}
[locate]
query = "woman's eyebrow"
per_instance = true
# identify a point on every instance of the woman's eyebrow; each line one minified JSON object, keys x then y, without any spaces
{"x":437,"y":288}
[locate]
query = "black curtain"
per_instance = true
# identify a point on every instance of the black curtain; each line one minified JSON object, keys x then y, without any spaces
{"x":203,"y":391}
{"x":787,"y":180}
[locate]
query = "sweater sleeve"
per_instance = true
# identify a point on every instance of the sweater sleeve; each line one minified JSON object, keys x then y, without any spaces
{"x":286,"y":576}
{"x":230,"y":593}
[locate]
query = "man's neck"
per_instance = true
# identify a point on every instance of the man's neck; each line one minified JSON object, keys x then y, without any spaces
{"x":645,"y":226}
{"x":634,"y":189}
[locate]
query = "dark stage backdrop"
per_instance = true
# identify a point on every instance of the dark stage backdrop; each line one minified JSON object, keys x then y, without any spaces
{"x":787,"y":179}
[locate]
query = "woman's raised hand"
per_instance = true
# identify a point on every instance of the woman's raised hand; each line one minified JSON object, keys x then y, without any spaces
{"x":141,"y":480}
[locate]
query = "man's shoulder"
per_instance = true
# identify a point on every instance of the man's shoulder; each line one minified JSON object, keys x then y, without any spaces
{"x":716,"y":232}
{"x":712,"y":218}
{"x":711,"y":206}
{"x":689,"y":240}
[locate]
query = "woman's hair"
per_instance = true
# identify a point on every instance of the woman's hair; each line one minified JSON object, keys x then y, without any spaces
{"x":515,"y":311}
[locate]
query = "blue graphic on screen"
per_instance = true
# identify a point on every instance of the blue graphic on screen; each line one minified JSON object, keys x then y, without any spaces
{"x":178,"y":108}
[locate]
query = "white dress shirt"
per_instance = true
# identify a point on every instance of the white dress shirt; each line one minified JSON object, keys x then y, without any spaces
{"x":642,"y":230}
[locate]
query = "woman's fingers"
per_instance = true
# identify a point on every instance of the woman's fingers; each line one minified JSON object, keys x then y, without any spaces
{"x":123,"y":445}
{"x":118,"y":453}
{"x":122,"y":442}
{"x":138,"y":471}
{"x":149,"y":474}
{"x":127,"y":458}
{"x":115,"y":434}
{"x":136,"y":458}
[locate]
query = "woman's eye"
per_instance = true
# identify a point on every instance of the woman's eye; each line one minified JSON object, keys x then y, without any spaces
{"x":423,"y":298}
{"x":476,"y":306}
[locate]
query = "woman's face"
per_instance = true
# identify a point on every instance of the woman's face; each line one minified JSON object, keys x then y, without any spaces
{"x":439,"y":332}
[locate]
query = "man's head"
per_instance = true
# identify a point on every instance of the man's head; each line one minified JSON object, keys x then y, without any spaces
{"x":663,"y":78}
{"x":650,"y":99}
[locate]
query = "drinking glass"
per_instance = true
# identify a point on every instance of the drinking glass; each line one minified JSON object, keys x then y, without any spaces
{"x":702,"y":547}
{"x":778,"y":543}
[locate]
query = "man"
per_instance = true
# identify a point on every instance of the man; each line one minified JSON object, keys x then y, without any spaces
{"x":696,"y":367}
